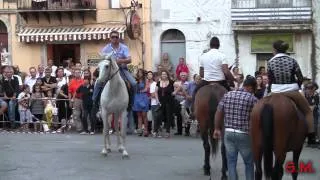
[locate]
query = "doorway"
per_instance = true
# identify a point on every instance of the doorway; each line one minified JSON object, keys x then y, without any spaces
{"x":173,"y":42}
{"x":60,"y":52}
{"x":262,"y":60}
{"x":3,"y":44}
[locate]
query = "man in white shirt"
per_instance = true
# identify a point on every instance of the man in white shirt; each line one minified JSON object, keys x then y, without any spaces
{"x":53,"y":67}
{"x":32,"y":78}
{"x":40,"y":73}
{"x":213,"y":68}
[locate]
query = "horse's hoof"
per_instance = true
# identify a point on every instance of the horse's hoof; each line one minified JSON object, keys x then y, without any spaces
{"x":126,"y":156}
{"x":109,"y":150}
{"x":206,"y":171}
{"x":224,"y":177}
{"x":104,"y":152}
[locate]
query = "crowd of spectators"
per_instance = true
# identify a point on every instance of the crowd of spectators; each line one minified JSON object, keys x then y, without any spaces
{"x":61,"y":96}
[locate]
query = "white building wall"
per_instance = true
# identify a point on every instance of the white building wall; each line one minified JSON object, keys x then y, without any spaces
{"x":247,"y":61}
{"x":302,"y":49}
{"x":182,"y":15}
{"x":215,"y":21}
{"x":316,"y":31}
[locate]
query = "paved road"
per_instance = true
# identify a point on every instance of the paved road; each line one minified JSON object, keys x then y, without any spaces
{"x":76,"y":157}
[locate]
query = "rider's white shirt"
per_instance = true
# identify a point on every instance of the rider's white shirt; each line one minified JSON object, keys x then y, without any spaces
{"x":212,"y":64}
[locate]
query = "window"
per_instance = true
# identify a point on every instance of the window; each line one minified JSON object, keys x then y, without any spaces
{"x":173,"y":35}
{"x":274,"y":3}
{"x":114,"y":4}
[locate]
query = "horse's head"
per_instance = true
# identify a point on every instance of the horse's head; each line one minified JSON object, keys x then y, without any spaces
{"x":107,"y":68}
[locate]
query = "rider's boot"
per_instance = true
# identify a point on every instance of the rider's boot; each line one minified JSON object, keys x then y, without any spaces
{"x":130,"y":103}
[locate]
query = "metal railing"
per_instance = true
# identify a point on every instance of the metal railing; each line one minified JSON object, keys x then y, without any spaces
{"x":55,"y":4}
{"x":261,"y":11}
{"x":40,"y":125}
{"x":239,"y":4}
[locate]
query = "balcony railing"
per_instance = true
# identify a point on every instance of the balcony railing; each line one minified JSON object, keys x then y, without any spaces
{"x":239,"y":4}
{"x":266,"y":11}
{"x":36,"y":5}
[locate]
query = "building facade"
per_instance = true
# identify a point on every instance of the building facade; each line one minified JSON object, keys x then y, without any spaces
{"x":258,"y":23}
{"x":78,"y":30}
{"x":316,"y":31}
{"x":246,"y":29}
{"x":184,"y":28}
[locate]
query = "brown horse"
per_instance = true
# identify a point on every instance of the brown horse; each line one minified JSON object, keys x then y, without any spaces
{"x":206,"y":101}
{"x":276,"y":127}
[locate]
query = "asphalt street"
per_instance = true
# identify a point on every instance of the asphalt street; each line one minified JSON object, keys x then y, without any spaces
{"x":77,"y":157}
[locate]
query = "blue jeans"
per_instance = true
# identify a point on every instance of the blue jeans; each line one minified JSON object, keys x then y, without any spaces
{"x":131,"y":125}
{"x":12,"y":110}
{"x":237,"y":142}
{"x":125,"y":74}
{"x":96,"y":90}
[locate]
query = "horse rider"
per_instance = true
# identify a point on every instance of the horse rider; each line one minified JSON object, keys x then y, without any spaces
{"x":121,"y":52}
{"x":282,"y":72}
{"x":213,"y":69}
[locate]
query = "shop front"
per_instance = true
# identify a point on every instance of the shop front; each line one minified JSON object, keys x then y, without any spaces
{"x":81,"y":44}
{"x":255,"y":49}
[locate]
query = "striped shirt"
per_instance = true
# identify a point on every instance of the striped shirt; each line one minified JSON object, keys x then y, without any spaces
{"x":237,"y":106}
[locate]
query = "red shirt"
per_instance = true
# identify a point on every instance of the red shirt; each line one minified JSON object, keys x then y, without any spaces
{"x":181,"y":68}
{"x":74,"y":85}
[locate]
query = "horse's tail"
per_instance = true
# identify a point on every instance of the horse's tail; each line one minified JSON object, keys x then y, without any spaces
{"x":267,"y":138}
{"x":213,"y":103}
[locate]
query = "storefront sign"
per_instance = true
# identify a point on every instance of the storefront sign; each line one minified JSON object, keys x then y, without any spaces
{"x":262,"y":43}
{"x":93,"y":62}
{"x":93,"y":59}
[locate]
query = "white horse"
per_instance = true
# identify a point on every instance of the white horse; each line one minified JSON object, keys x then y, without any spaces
{"x":114,"y":99}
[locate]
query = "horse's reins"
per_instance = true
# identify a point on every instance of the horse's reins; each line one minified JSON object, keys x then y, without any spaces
{"x":110,"y":77}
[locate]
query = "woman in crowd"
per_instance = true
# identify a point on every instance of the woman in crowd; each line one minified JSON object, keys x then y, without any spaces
{"x":260,"y":87}
{"x":182,"y":67}
{"x":190,"y":89}
{"x":63,"y":105}
{"x":313,"y":99}
{"x":164,"y":93}
{"x":141,"y":102}
{"x":151,"y":84}
{"x":37,"y":103}
{"x":39,"y":83}
{"x":87,"y":74}
{"x":236,"y":74}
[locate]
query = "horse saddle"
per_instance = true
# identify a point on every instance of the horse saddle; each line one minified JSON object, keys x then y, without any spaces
{"x":300,"y":114}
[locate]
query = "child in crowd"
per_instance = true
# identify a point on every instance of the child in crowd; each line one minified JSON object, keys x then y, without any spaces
{"x":86,"y":91}
{"x":37,"y":103}
{"x":50,"y":110}
{"x":24,"y":110}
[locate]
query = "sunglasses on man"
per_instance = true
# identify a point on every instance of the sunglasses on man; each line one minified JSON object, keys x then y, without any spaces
{"x":114,"y":37}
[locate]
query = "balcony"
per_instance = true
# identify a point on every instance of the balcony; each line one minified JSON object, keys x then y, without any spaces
{"x":262,"y":15}
{"x":56,"y":5}
{"x":36,"y":8}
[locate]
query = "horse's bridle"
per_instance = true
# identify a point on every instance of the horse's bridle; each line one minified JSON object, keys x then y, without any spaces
{"x":111,"y":76}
